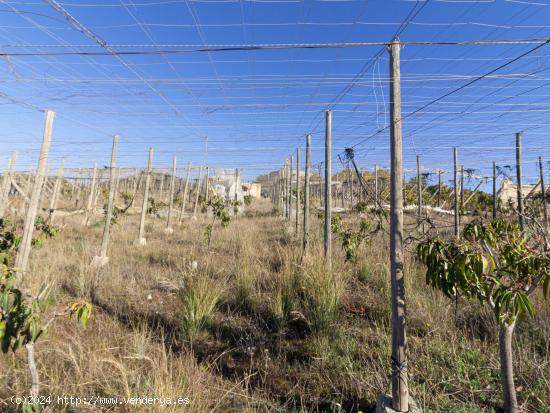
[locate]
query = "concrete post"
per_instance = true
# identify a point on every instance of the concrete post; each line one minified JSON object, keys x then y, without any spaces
{"x":376,"y":201}
{"x":56,"y":190}
{"x":455,"y":183}
{"x":6,"y":184}
{"x":185,"y":192}
{"x":198,"y":190}
{"x":91,"y":195}
{"x":297,"y":189}
{"x":519,"y":184}
{"x":103,"y":259}
{"x":543,"y":194}
{"x":439,"y":188}
{"x":328,"y":190}
{"x":418,"y":189}
{"x":494,"y":190}
{"x":169,"y":229}
{"x":306,"y":194}
{"x":22,"y":258}
{"x":461,"y":188}
{"x":141,"y":240}
{"x":290,"y":189}
{"x":400,"y":388}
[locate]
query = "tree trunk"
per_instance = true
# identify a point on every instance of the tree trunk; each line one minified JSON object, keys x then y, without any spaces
{"x":506,"y":368}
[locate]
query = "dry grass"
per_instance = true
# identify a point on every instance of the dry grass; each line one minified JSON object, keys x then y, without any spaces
{"x":263,"y":330}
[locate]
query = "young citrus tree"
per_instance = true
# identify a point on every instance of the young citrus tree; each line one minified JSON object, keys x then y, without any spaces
{"x":219,"y":212}
{"x":498,"y":265}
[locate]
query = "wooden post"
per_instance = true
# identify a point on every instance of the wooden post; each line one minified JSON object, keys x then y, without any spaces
{"x":185,"y":191}
{"x":6,"y":184}
{"x":89,"y":204}
{"x":306,"y":194}
{"x":519,"y":185}
{"x":494,"y":190}
{"x":169,"y":229}
{"x":455,"y":178}
{"x":22,"y":258}
{"x":198,"y":190}
{"x":543,"y":194}
{"x":141,"y":240}
{"x":297,"y":189}
{"x":400,"y":388}
{"x":328,"y":189}
{"x":56,"y":189}
{"x":103,"y":259}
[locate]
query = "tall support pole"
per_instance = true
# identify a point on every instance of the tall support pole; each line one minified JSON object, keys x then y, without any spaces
{"x":238,"y":189}
{"x":328,"y":189}
{"x":375,"y":187}
{"x":306,"y":194}
{"x":6,"y":184}
{"x":342,"y":190}
{"x":543,"y":194}
{"x":519,"y":185}
{"x":494,"y":190}
{"x":22,"y":258}
{"x":161,"y":189}
{"x":169,"y":229}
{"x":290,"y":188}
{"x":455,"y":183}
{"x":117,"y":183}
{"x":297,"y":189}
{"x":90,"y":201}
{"x":198,"y":190}
{"x":400,"y":388}
{"x":461,"y":188}
{"x":351,"y":188}
{"x":439,"y":188}
{"x":135,"y":185}
{"x":281,"y":192}
{"x":207,"y":184}
{"x":103,"y":259}
{"x":141,"y":240}
{"x":56,"y":189}
{"x":418,"y":188}
{"x":185,"y":191}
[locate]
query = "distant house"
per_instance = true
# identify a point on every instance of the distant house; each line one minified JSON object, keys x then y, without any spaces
{"x":253,"y":189}
{"x":508,"y":195}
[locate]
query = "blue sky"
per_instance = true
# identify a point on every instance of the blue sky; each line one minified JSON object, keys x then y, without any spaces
{"x":255,"y":107}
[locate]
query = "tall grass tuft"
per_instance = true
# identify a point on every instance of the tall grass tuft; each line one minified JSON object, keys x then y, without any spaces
{"x":244,"y":286}
{"x":199,"y":298}
{"x":322,"y":294}
{"x":284,"y":296}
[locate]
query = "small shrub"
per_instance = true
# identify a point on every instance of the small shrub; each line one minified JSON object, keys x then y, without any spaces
{"x":363,"y":273}
{"x":247,"y":200}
